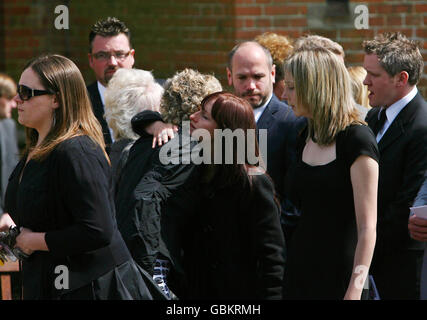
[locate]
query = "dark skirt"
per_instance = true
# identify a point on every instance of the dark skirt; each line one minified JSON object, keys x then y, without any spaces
{"x":127,"y":281}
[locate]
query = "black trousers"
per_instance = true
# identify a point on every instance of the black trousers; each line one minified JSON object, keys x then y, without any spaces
{"x":397,"y":274}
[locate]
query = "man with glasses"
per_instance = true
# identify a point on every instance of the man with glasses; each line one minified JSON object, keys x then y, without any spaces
{"x":109,"y":49}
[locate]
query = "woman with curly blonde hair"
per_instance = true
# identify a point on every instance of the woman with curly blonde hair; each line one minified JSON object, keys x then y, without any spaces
{"x":280,"y":48}
{"x":183,"y":94}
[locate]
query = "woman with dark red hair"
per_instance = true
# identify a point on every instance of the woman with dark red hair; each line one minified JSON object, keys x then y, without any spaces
{"x":237,"y":248}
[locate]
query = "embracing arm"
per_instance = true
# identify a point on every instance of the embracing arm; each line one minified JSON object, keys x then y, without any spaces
{"x":151,"y":122}
{"x":364,"y":179}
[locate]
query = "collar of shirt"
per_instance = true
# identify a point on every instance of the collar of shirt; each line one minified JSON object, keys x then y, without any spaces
{"x":101,"y":90}
{"x":258,"y":111}
{"x":392,"y":111}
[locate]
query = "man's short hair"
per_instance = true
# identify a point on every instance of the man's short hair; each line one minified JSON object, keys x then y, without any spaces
{"x":108,"y":27}
{"x":397,"y":53}
{"x":237,"y":46}
{"x":311,"y":42}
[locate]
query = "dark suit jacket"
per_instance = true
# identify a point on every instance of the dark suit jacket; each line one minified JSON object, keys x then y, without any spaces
{"x":282,"y":128}
{"x":403,"y":161}
{"x":98,"y":110}
{"x":9,"y":154}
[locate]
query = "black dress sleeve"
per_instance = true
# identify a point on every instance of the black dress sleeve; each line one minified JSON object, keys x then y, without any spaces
{"x":355,"y":141}
{"x":269,"y":243}
{"x":83,"y":178}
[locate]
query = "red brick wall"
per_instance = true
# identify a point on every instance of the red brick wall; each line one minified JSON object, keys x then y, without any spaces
{"x":295,"y":17}
{"x":169,"y":35}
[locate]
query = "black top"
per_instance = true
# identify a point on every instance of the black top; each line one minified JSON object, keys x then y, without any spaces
{"x":237,"y":245}
{"x":320,"y":258}
{"x":68,"y":196}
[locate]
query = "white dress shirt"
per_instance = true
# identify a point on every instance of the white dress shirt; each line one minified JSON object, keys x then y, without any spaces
{"x":101,"y":90}
{"x":259,"y":111}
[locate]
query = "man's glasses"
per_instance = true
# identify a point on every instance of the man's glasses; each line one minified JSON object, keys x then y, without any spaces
{"x":105,"y":56}
{"x":26,"y":93}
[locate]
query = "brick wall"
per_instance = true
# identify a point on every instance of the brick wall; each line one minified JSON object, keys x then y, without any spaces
{"x":297,"y":17}
{"x":169,"y":35}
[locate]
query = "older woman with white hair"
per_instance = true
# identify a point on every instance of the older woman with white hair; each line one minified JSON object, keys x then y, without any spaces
{"x":129,"y":92}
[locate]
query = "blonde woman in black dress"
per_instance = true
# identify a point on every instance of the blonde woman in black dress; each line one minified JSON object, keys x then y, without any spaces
{"x":334,"y":182}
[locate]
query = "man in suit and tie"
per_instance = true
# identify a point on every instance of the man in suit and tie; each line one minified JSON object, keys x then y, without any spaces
{"x":251,"y":72}
{"x":110,"y":48}
{"x":399,"y":120}
{"x":8,"y":139}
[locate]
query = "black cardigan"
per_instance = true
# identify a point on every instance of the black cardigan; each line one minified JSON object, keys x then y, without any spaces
{"x":68,"y":196}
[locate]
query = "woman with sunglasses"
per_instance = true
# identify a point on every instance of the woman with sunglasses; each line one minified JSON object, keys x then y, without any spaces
{"x":60,"y":194}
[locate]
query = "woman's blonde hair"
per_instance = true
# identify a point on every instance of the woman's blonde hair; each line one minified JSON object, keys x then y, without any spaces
{"x":360,"y":91}
{"x":7,"y":87}
{"x":183,"y":94}
{"x":74,"y":116}
{"x":323,"y":87}
{"x":129,"y":92}
{"x":280,"y":48}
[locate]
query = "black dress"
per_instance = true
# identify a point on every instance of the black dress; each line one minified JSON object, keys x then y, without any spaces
{"x":68,"y":196}
{"x":320,"y":258}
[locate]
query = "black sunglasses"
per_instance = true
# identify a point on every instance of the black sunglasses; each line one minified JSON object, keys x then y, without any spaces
{"x":26,"y":93}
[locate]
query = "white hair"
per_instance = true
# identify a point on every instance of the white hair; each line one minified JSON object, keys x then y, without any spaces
{"x":129,"y":92}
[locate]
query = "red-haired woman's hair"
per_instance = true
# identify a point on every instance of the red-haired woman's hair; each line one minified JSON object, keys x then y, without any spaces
{"x":232,"y":112}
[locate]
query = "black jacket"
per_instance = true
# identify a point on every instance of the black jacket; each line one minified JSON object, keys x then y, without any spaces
{"x":98,"y":110}
{"x":403,"y":162}
{"x":68,"y":196}
{"x":237,"y":245}
{"x":153,"y":200}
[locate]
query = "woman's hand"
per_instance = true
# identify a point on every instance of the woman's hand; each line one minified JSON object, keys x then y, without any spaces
{"x":162,"y":132}
{"x":24,"y":241}
{"x":29,"y":241}
{"x":6,"y":222}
